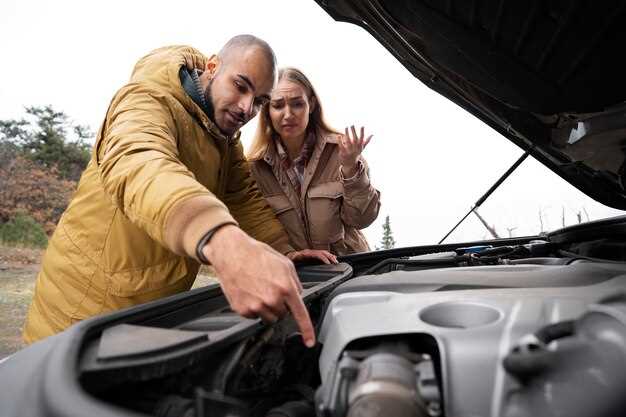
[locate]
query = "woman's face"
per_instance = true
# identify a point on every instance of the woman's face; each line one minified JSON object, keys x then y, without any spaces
{"x":289,"y":109}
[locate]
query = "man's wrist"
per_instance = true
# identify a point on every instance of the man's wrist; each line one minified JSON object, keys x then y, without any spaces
{"x":201,"y":248}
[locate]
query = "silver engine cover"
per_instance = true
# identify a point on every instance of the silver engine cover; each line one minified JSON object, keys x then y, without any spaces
{"x":474,"y":328}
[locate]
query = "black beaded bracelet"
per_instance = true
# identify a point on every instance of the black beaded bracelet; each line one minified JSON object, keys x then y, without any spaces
{"x":204,"y":240}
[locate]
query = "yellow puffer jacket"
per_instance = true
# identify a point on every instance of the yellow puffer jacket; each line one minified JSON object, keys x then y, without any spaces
{"x":161,"y":175}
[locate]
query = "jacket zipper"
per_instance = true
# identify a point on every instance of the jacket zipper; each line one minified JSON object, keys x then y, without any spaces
{"x":305,"y":212}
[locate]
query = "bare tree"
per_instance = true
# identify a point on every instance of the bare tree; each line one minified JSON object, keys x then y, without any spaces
{"x":563,"y":217}
{"x":586,"y":214}
{"x":490,"y":229}
{"x":510,"y":230}
{"x":540,"y":221}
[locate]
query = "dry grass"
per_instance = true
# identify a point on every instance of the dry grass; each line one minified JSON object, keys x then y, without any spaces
{"x":18,"y":271}
{"x":206,"y":276}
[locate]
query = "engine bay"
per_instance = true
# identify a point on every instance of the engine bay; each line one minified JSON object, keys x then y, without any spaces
{"x":524,"y":328}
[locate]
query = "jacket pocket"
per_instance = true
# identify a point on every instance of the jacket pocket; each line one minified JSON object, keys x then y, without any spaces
{"x":279,"y":203}
{"x":130,"y":288}
{"x":324,"y":211}
{"x":289,"y":217}
{"x":120,"y":297}
{"x":134,"y":282}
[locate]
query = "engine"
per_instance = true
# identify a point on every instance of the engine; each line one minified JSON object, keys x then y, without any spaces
{"x":461,"y":342}
{"x":511,"y":331}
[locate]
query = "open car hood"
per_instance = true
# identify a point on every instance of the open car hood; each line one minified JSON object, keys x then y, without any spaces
{"x":546,"y":75}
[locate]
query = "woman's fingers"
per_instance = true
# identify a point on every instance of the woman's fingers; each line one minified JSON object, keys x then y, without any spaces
{"x":345,"y":141}
{"x":355,"y":142}
{"x":322,"y":258}
{"x":330,"y":258}
{"x":323,"y":255}
{"x":333,"y":258}
{"x":366,"y":141}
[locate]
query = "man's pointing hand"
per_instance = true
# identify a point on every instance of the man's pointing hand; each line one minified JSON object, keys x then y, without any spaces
{"x":257,"y":280}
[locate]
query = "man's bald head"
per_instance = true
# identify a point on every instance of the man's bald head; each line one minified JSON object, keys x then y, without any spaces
{"x":240,"y":44}
{"x":238,"y":81}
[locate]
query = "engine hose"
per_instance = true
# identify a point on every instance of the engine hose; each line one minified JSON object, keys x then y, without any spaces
{"x":530,"y":357}
{"x":452,"y":261}
{"x":524,"y":366}
{"x":226,"y":369}
{"x":555,"y":331}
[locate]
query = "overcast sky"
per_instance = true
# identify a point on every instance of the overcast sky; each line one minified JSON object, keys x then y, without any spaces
{"x":430,"y":159}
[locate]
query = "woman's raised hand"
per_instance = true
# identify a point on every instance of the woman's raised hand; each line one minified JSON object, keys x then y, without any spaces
{"x":350,"y":147}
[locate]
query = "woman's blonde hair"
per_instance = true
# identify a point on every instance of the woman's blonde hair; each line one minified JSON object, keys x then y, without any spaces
{"x":265,"y":132}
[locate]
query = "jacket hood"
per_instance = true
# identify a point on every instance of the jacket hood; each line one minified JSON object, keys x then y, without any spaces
{"x":160,"y":69}
{"x":546,"y":75}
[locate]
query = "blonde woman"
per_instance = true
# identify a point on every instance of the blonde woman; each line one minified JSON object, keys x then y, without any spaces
{"x":314,"y":178}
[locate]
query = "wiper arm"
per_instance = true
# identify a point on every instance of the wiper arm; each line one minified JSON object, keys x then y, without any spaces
{"x":493,"y":188}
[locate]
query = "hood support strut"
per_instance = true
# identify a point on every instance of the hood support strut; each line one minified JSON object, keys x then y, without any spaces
{"x":482,"y":199}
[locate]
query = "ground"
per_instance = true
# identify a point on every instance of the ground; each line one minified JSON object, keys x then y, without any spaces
{"x":18,"y":271}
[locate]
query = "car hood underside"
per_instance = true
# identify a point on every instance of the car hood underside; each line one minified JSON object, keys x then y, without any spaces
{"x":546,"y":75}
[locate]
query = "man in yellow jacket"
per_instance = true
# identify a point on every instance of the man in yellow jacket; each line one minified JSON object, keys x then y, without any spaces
{"x":168,"y":187}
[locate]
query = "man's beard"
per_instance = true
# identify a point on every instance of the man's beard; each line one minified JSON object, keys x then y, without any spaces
{"x":210,"y":108}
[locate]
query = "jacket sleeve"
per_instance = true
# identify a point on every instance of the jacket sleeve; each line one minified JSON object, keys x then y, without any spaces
{"x":140,"y":169}
{"x":248,"y":206}
{"x":361,"y":201}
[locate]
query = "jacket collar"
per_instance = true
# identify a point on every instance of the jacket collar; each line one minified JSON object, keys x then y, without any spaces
{"x":271,"y":153}
{"x":190,"y":80}
{"x":196,"y":108}
{"x":160,"y":70}
{"x":312,"y":165}
{"x":272,"y":158}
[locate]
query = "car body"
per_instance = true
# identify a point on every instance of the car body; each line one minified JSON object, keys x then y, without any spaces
{"x":532,"y":326}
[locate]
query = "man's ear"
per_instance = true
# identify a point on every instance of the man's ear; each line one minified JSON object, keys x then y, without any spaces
{"x":212,"y":65}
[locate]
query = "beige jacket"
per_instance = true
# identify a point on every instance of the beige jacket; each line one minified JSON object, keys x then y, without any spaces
{"x":330,"y":209}
{"x":161,"y":176}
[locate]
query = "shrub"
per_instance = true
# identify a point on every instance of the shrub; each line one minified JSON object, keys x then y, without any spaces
{"x":23,"y":230}
{"x":39,"y":192}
